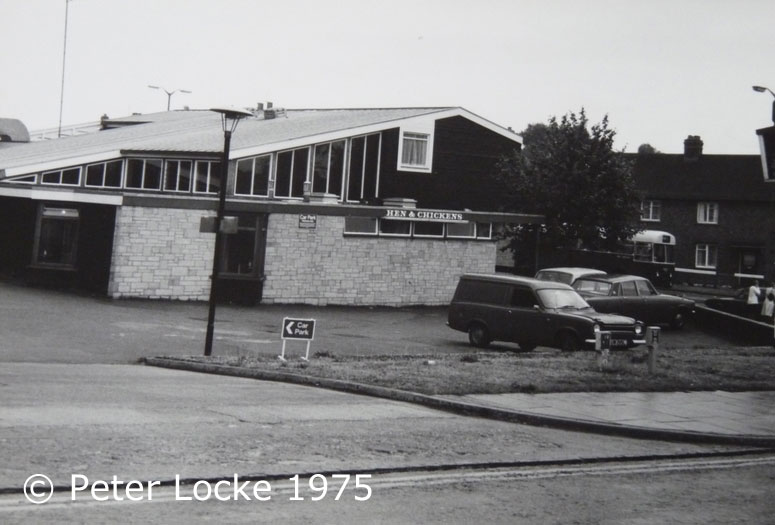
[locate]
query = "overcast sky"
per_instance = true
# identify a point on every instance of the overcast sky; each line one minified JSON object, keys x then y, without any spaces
{"x":660,"y":69}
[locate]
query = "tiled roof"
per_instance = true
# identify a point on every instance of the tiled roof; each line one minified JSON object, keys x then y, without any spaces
{"x":712,"y":177}
{"x":199,"y":131}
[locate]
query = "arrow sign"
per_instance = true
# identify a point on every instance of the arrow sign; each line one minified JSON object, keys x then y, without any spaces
{"x":298,"y":329}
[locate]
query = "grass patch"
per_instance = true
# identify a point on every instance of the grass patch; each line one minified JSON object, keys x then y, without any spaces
{"x":490,"y":372}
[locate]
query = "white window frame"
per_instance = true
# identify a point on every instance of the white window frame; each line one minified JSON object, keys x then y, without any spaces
{"x":471,"y":225}
{"x":276,"y":166}
{"x":61,"y":173}
{"x":342,"y":176}
{"x":425,"y":235}
{"x":104,"y":170}
{"x":707,"y":213}
{"x":417,"y":132}
{"x":651,"y":211}
{"x":395,"y":221}
{"x":269,"y":179}
{"x":362,"y":175}
{"x":373,"y":233}
{"x":142,"y":180}
{"x":195,"y":176}
{"x":706,"y":256}
{"x":191,"y":175}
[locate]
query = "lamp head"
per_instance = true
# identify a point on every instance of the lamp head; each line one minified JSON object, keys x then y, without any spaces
{"x":231,"y":116}
{"x":759,"y":89}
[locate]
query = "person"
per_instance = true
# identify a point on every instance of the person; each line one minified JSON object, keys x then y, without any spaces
{"x":754,"y":293}
{"x":768,"y":301}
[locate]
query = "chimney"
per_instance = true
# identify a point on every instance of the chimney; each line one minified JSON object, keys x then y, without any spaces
{"x":692,"y":148}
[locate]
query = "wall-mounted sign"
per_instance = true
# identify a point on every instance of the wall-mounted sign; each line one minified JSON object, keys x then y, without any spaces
{"x":423,"y":215}
{"x":308,"y":220}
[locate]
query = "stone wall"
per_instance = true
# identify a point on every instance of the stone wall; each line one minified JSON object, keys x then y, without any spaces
{"x":321,"y":266}
{"x":159,"y":253}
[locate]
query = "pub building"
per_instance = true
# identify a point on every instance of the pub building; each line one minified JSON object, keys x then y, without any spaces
{"x":324,"y":206}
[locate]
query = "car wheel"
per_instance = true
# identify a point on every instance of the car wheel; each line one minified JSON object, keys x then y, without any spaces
{"x":679,"y":320}
{"x":527,"y":347}
{"x":569,"y":342}
{"x":478,"y":335}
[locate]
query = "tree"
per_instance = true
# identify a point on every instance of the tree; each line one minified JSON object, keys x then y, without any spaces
{"x":647,"y":149}
{"x":569,"y":172}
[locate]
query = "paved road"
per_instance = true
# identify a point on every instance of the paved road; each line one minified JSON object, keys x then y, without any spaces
{"x":46,"y":326}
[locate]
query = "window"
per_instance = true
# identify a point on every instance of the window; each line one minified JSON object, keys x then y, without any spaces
{"x":706,"y":256}
{"x":429,"y":229}
{"x":177,"y":175}
{"x":483,"y":230}
{"x":415,"y":151}
{"x":651,"y":211}
{"x":26,"y":179}
{"x":645,"y":287}
{"x":104,"y":174}
{"x":291,"y":173}
{"x":461,"y":230}
{"x":363,"y":176}
{"x":395,"y":228}
{"x":208,"y":176}
{"x":66,"y":177}
{"x":707,"y":213}
{"x":56,"y":237}
{"x":328,"y":168}
{"x":253,"y":176}
{"x":628,"y":289}
{"x":360,"y":225}
{"x":523,"y":298}
{"x":143,"y":174}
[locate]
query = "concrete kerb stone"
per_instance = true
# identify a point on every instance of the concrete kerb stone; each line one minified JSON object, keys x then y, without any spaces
{"x":464,"y":408}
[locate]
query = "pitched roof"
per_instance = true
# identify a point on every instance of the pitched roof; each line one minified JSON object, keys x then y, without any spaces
{"x":712,"y":177}
{"x":199,"y":131}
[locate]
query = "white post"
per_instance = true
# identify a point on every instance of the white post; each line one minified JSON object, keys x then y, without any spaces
{"x":603,"y":349}
{"x":652,"y":340}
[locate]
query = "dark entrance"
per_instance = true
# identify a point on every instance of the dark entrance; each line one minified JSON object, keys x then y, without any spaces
{"x":241,"y":274}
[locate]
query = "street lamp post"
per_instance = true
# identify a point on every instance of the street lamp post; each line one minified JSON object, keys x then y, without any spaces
{"x":169,"y":93}
{"x":229,"y":119}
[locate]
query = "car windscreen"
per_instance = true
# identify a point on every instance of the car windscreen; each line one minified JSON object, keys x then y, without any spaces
{"x":554,"y":276}
{"x":558,"y":298}
{"x":592,"y":287}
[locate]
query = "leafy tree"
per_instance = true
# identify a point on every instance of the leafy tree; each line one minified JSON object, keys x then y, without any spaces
{"x":647,"y":149}
{"x":569,"y":172}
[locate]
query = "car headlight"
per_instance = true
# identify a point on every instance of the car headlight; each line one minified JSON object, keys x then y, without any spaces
{"x":638,"y":328}
{"x":596,"y":328}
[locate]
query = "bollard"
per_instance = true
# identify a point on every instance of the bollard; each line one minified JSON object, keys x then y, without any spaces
{"x":652,"y":340}
{"x":603,"y":349}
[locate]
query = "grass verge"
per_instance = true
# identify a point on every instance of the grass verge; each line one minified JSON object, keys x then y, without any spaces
{"x":543,"y":371}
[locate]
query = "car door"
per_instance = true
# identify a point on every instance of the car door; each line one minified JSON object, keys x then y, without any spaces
{"x":526,"y":318}
{"x":650,"y":308}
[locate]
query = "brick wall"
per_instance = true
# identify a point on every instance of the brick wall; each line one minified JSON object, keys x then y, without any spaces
{"x":158,"y":253}
{"x":321,"y":266}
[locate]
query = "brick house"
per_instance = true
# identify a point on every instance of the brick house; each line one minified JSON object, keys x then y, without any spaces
{"x":720,"y":209}
{"x":346,"y":206}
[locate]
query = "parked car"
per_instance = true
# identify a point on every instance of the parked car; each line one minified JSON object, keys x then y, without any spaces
{"x":529,"y":312}
{"x":566,"y":274}
{"x":635,"y":297}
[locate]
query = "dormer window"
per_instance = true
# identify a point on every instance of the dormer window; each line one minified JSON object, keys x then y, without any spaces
{"x":415,"y":150}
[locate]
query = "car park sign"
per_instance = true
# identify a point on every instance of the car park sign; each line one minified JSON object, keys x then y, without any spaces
{"x":298,"y":329}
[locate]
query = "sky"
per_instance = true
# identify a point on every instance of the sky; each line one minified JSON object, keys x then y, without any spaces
{"x":659,"y":69}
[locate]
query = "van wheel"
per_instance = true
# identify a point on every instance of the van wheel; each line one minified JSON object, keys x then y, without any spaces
{"x":569,"y":342}
{"x":478,"y":335}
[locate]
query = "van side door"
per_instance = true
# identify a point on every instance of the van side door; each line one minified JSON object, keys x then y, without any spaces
{"x":527,"y":320}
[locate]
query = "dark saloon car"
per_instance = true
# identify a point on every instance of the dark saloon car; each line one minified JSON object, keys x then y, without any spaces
{"x":635,"y":297}
{"x":529,"y":312}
